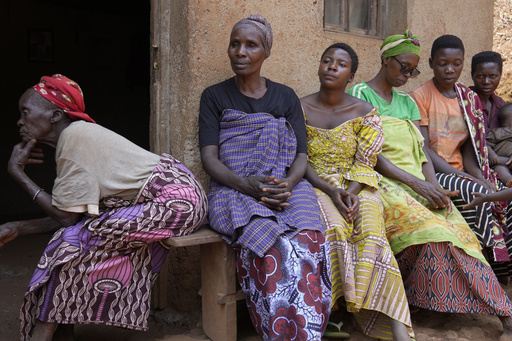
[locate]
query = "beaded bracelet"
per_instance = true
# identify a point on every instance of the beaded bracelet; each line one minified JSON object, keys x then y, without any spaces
{"x":37,"y":193}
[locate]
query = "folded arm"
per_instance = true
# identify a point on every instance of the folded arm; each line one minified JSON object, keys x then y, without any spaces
{"x":429,"y":189}
{"x":468,"y":156}
{"x":472,"y":166}
{"x":347,"y":202}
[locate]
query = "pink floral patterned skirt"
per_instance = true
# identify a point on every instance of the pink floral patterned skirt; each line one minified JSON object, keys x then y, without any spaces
{"x":288,"y":291}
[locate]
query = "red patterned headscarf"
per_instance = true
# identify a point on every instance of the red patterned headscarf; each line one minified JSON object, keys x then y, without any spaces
{"x":65,"y":94}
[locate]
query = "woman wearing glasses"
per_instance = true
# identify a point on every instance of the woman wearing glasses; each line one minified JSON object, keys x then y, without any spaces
{"x":437,"y":252}
{"x":399,"y":59}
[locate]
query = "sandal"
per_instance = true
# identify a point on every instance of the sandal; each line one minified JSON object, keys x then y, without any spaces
{"x":333,"y":331}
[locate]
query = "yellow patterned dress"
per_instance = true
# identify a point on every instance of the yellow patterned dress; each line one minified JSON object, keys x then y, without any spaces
{"x":364,"y":269}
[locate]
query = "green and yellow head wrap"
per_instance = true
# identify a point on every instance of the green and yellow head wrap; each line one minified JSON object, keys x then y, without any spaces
{"x":399,"y":44}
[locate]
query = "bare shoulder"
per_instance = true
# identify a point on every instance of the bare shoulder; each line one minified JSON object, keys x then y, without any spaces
{"x":311,"y":99}
{"x":311,"y":105}
{"x":359,"y":106}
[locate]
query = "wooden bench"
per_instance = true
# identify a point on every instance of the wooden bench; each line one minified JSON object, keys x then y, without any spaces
{"x":218,"y":282}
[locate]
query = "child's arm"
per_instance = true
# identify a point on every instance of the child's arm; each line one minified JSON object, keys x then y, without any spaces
{"x":494,"y":159}
{"x":480,"y":198}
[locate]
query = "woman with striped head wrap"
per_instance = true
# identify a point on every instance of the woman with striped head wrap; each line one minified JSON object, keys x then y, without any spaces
{"x":400,"y":44}
{"x":253,"y":145}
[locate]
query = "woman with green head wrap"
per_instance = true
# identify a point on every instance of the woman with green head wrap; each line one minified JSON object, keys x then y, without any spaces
{"x":400,"y":55}
{"x":434,"y":246}
{"x":400,"y":44}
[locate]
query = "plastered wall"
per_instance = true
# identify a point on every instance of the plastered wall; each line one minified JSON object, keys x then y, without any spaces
{"x":199,"y":39}
{"x":202,"y":30}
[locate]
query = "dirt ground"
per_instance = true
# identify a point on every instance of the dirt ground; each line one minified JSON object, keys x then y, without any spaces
{"x":17,"y":262}
{"x":18,"y":259}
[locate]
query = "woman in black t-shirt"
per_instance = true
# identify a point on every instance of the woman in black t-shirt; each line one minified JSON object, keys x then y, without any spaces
{"x":253,"y":145}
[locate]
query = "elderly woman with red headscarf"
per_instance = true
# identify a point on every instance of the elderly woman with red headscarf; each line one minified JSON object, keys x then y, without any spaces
{"x":113,"y":204}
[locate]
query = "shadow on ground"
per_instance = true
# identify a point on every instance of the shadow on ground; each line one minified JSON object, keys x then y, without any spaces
{"x":19,"y":257}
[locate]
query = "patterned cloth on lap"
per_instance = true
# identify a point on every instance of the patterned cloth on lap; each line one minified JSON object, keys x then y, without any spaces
{"x":364,"y":269}
{"x":437,"y":251}
{"x":407,"y":217}
{"x":101,"y":270}
{"x":259,"y":144}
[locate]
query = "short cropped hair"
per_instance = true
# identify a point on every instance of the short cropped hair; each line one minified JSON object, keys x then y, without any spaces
{"x":43,"y":102}
{"x":446,"y":41}
{"x":349,"y":50}
{"x":486,"y":57}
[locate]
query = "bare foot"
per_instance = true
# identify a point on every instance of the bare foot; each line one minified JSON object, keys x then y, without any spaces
{"x":399,"y":331}
{"x":507,"y":328}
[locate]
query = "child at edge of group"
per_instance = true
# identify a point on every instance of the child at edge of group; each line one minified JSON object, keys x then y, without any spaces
{"x":479,"y":198}
{"x":500,"y":139}
{"x":452,"y":124}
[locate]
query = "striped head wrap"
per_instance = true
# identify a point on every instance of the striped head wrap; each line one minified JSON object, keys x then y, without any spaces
{"x":262,"y":27}
{"x":65,"y":94}
{"x":399,"y":44}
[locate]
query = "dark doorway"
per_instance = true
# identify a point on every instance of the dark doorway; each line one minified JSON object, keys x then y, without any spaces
{"x":101,"y":44}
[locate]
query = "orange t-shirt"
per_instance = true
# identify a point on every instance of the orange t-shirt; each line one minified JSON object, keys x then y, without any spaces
{"x":447,"y":128}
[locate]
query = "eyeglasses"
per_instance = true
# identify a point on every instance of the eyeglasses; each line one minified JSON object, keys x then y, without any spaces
{"x":405,"y":70}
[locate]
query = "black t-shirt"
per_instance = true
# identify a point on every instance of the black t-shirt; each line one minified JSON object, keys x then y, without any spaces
{"x":279,"y":101}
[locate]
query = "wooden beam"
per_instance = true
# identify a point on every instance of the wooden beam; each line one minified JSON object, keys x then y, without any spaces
{"x":160,"y":92}
{"x":204,"y":235}
{"x":159,"y":124}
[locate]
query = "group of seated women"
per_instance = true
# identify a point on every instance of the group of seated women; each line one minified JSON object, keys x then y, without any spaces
{"x":377,"y":221}
{"x":333,"y":200}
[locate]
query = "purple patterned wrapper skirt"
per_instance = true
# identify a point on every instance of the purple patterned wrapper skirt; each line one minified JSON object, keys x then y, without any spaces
{"x":101,"y":269}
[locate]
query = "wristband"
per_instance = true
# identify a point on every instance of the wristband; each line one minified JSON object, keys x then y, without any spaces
{"x":37,"y":193}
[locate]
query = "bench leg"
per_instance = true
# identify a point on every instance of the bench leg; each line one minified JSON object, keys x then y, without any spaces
{"x":159,"y":289}
{"x":218,"y":282}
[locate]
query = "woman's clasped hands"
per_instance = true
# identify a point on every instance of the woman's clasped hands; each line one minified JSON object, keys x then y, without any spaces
{"x":346,"y":202}
{"x":270,"y":191}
